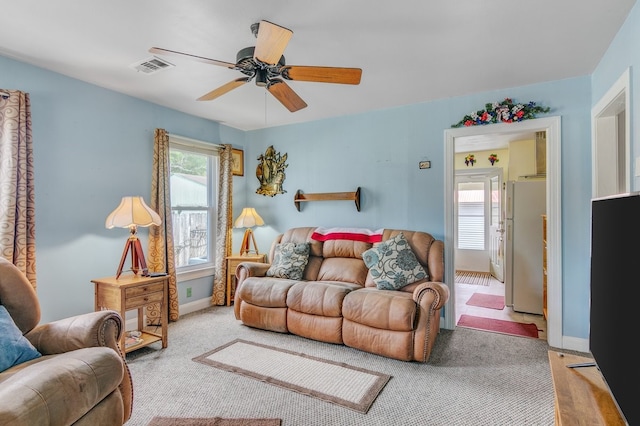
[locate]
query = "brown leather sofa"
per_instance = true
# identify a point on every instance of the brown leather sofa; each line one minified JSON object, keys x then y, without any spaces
{"x":80,"y":376}
{"x":337,"y":300}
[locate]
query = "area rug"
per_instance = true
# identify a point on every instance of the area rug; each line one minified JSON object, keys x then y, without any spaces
{"x":472,"y":277}
{"x":351,"y":387}
{"x":499,"y":326}
{"x":211,"y":421}
{"x":490,"y":301}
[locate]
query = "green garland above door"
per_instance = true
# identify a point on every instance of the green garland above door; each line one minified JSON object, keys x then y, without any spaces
{"x":502,"y":112}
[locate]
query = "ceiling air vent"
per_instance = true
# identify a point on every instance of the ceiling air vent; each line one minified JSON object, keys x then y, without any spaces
{"x":152,"y":65}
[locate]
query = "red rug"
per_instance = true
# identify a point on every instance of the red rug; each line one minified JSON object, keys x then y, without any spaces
{"x":499,"y":326}
{"x":491,"y":301}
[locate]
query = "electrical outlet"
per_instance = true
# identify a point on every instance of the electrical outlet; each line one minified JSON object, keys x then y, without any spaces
{"x":188,"y":291}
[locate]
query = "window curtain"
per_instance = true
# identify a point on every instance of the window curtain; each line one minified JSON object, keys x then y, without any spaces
{"x":225,"y":222}
{"x":160,"y":253}
{"x":17,"y":209}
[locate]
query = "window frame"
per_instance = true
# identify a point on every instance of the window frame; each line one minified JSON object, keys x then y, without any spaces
{"x":212,"y":151}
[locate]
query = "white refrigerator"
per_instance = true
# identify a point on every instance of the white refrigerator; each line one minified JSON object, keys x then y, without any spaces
{"x":525,"y":205}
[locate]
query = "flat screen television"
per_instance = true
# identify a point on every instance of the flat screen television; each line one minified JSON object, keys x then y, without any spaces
{"x":615,"y":280}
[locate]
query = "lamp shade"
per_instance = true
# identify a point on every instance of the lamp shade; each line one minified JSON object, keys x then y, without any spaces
{"x":248,"y":218}
{"x":132,"y":211}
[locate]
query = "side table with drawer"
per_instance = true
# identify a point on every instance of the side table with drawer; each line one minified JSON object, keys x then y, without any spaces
{"x":232,"y":263}
{"x":135,"y":292}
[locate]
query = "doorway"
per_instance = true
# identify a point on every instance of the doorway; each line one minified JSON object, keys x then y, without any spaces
{"x":611,"y":159}
{"x":490,"y":269}
{"x":479,"y":221}
{"x":551,"y":126}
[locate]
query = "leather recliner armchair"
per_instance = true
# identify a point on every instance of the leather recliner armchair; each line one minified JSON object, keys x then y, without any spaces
{"x":82,"y":377}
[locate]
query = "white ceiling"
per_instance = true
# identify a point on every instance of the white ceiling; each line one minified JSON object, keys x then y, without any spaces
{"x":410,"y":51}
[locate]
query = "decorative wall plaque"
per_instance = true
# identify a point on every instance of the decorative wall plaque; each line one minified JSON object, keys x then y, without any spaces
{"x":270,"y":172}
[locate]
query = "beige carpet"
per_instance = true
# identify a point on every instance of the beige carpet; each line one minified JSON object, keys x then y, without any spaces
{"x":472,"y":378}
{"x":351,"y":387}
{"x":211,"y":421}
{"x":473,"y":277}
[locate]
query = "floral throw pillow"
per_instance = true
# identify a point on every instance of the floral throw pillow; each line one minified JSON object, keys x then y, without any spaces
{"x":289,"y":261}
{"x":393,"y":264}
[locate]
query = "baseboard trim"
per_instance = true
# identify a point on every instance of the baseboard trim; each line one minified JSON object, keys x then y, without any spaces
{"x":196,"y":305}
{"x":184,"y":309}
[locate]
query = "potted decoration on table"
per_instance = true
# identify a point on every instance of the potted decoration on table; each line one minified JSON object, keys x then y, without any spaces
{"x":470,"y":159}
{"x":493,"y":158}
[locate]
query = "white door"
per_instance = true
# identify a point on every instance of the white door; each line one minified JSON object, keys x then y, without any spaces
{"x":496,"y":229}
{"x":479,"y":244}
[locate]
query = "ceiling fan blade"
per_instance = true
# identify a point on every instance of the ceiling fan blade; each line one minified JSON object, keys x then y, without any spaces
{"x":161,"y":51}
{"x":286,"y":95}
{"x":224,"y":89}
{"x":322,"y":74}
{"x":272,"y":40}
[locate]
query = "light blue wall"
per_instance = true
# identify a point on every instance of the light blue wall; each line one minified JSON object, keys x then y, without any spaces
{"x":93,"y":146}
{"x":380,"y":151}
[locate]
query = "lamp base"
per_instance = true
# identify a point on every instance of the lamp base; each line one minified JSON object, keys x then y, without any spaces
{"x":245,"y":248}
{"x":138,"y":263}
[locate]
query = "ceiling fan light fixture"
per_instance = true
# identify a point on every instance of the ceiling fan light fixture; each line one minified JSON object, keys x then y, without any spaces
{"x":261,"y":77}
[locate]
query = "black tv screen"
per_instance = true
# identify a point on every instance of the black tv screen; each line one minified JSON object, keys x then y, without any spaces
{"x":615,"y":280}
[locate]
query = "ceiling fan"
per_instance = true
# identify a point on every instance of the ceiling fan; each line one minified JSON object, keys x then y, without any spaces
{"x":267,"y":66}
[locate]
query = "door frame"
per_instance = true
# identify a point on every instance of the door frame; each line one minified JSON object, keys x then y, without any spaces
{"x":606,"y":135}
{"x":552,"y":126}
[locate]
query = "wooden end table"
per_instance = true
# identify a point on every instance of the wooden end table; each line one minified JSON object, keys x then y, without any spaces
{"x":232,"y":263}
{"x":129,"y":292}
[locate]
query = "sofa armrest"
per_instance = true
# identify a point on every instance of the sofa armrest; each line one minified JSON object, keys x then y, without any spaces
{"x":244,"y":271}
{"x":250,"y":269}
{"x":101,"y":328}
{"x":439,"y":294}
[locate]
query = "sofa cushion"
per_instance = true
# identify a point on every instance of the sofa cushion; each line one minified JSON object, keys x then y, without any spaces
{"x":381,"y":309}
{"x":343,"y":269}
{"x":393,"y":264}
{"x":14,"y":347}
{"x":266,"y":292}
{"x":319,"y":297}
{"x":289,"y":261}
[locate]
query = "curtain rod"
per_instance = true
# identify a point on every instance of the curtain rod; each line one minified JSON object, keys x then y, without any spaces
{"x":194,"y":142}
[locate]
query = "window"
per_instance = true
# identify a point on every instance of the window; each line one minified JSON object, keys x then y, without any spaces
{"x":193,"y":186}
{"x":471,"y":216}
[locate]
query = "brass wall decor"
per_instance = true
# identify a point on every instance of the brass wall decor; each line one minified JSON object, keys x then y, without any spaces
{"x":270,"y":172}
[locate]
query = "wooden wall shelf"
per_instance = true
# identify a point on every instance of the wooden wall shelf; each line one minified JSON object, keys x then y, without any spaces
{"x":327,"y":196}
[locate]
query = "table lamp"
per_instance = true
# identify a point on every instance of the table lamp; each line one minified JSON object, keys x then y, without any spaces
{"x":247,"y":219}
{"x":131,"y":213}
